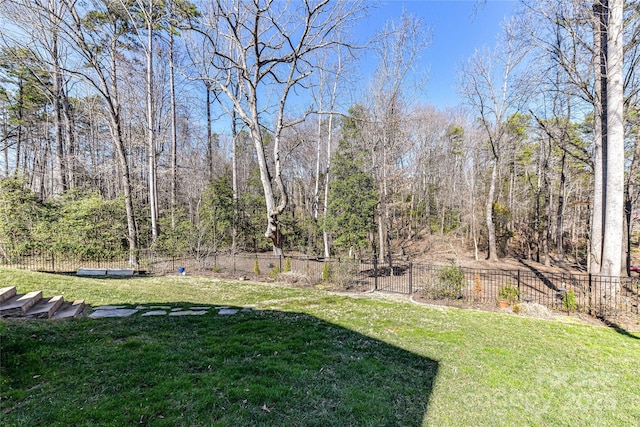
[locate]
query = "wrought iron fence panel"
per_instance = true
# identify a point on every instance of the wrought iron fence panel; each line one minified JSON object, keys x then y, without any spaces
{"x":592,"y":294}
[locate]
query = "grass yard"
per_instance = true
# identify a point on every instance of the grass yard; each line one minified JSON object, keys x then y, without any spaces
{"x":305,"y":358}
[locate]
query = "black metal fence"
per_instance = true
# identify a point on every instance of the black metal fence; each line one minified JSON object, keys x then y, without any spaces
{"x":595,"y":295}
{"x":585,"y":293}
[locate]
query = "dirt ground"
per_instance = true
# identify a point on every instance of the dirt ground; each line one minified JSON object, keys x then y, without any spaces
{"x":441,"y":250}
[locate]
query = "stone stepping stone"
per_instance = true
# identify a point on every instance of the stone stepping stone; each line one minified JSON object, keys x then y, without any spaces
{"x":117,"y":312}
{"x":187,"y":313}
{"x":70,"y":309}
{"x":154,"y":313}
{"x":125,"y":272}
{"x":109,"y":307}
{"x":91,"y":272}
{"x":200,"y":308}
{"x":228,"y":311}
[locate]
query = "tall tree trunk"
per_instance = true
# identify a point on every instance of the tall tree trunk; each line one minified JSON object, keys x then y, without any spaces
{"x":125,"y":182}
{"x":560,"y":211}
{"x":385,"y":207}
{"x":234,"y":181}
{"x":325,"y":234}
{"x":121,"y":154}
{"x":631,"y":189}
{"x":491,"y":228}
{"x":209,"y":134}
{"x":600,"y":137}
{"x":151,"y":135}
{"x":58,"y":116}
{"x":273,"y":211}
{"x":19,"y":130}
{"x":67,"y":112}
{"x":174,"y":130}
{"x":614,"y":190}
{"x":546,"y":239}
{"x":5,"y":149}
{"x":316,"y":187}
{"x":471,"y":182}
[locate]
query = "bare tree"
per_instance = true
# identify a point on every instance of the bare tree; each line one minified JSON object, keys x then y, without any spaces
{"x":493,"y":88}
{"x":266,"y":46}
{"x":326,"y":99}
{"x":398,"y":50}
{"x":42,"y":30}
{"x":97,"y":39}
{"x":147,"y":11}
{"x":174,"y":119}
{"x":588,"y":47}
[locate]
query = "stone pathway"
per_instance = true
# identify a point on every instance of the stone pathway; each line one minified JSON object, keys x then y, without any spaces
{"x":159,"y":310}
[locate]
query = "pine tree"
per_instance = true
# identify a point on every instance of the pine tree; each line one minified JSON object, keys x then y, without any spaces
{"x":352,"y":198}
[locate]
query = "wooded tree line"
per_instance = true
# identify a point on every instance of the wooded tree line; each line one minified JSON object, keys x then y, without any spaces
{"x":232,"y":125}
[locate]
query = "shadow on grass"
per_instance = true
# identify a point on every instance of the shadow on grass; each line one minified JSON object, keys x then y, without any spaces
{"x":259,"y":368}
{"x":619,"y":329}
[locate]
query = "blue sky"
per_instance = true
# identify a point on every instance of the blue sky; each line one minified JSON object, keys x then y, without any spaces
{"x":458,"y":28}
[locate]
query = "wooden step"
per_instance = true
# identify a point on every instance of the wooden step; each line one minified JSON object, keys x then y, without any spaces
{"x":45,"y":308}
{"x":7,"y":293}
{"x":69,"y":309}
{"x":19,"y":304}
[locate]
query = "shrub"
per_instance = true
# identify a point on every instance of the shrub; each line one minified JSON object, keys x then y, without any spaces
{"x":341,"y":273}
{"x":449,"y":283}
{"x":294,"y":278}
{"x":256,"y":268}
{"x":509,"y":293}
{"x":569,"y":301}
{"x":344,"y":272}
{"x":477,"y":288}
{"x":326,"y":272}
{"x":287,"y":264}
{"x":274,"y":273}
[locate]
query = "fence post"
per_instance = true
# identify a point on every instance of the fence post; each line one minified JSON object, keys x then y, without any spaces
{"x":590,"y":296}
{"x":280,"y":262}
{"x":410,"y":278}
{"x":375,"y":272}
{"x":518,"y":284}
{"x":53,"y":263}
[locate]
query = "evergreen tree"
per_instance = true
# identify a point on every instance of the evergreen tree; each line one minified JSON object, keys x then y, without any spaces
{"x":352,"y":196}
{"x":217,"y":211}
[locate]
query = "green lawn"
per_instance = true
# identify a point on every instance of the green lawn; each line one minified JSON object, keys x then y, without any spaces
{"x":305,"y":358}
